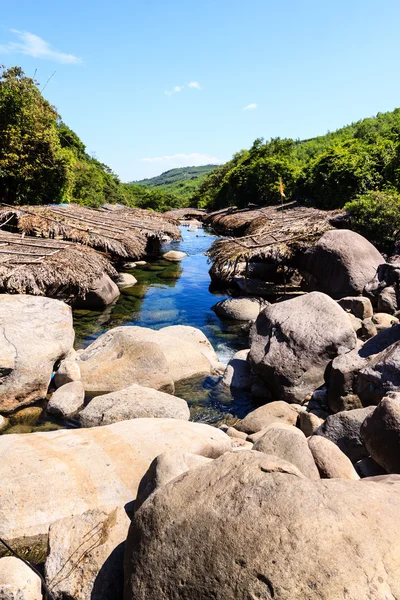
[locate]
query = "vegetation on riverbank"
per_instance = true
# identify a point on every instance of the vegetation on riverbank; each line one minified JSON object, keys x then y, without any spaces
{"x":357,"y":167}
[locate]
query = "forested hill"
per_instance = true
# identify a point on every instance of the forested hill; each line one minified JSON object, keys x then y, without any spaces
{"x":175,"y":177}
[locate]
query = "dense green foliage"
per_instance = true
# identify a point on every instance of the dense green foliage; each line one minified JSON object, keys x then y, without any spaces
{"x":41,"y":159}
{"x":157,"y":199}
{"x":376,"y":216}
{"x":326,"y":171}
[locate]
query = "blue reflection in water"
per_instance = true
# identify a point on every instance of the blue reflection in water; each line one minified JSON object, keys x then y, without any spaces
{"x":178,"y":294}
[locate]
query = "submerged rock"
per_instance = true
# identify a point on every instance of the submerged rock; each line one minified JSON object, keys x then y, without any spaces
{"x":293,"y":341}
{"x":52,"y":475}
{"x":249,"y":525}
{"x":238,"y":374}
{"x":125,"y":280}
{"x":134,"y":402}
{"x":35,"y":333}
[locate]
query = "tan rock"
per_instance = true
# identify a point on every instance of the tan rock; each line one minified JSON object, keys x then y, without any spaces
{"x":18,"y":581}
{"x":86,"y":555}
{"x":330,"y":460}
{"x":49,"y":476}
{"x":265,"y":415}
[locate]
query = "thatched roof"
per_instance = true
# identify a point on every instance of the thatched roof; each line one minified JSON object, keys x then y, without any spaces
{"x":122,"y":233}
{"x":232,"y":221}
{"x":272,"y":235}
{"x":150,"y":223}
{"x":45,"y":267}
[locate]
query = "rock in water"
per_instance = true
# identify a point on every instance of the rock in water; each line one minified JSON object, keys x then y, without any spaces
{"x":86,"y":554}
{"x":102,"y":293}
{"x":341,"y":263}
{"x":18,"y":581}
{"x":132,"y":403}
{"x":293,"y":341}
{"x":68,"y":370}
{"x":49,"y":476}
{"x":157,"y":359}
{"x":381,"y":433}
{"x":248,"y":526}
{"x":240,"y":309}
{"x":125,"y":280}
{"x":174,"y":256}
{"x":67,"y":399}
{"x":238,"y":374}
{"x":118,"y":359}
{"x":35,"y":332}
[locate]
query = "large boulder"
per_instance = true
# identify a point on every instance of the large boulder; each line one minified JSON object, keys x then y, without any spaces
{"x":243,"y":527}
{"x":331,"y":462}
{"x":240,"y":309}
{"x":290,"y":445}
{"x":293,"y":341}
{"x":52,"y":475}
{"x":102,"y":293}
{"x":133,"y":402}
{"x":18,"y":581}
{"x":381,"y":433}
{"x":342,"y":374}
{"x":343,"y":429}
{"x":165,"y":468}
{"x":341,"y":263}
{"x":35,"y":333}
{"x":120,"y":358}
{"x":263,"y":416}
{"x":157,"y":359}
{"x":86,"y":555}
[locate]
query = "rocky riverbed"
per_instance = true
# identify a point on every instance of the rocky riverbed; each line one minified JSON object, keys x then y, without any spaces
{"x":298,"y":498}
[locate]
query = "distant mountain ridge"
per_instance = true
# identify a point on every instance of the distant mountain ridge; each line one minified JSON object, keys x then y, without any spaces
{"x":175,"y":176}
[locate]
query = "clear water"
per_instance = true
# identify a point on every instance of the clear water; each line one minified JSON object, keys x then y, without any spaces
{"x":178,"y":294}
{"x":170,"y":294}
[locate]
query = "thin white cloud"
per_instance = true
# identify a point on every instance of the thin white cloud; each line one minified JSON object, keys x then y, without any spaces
{"x":250,"y":107}
{"x":175,"y":90}
{"x":195,"y":85}
{"x":32,"y":45}
{"x":183,"y":160}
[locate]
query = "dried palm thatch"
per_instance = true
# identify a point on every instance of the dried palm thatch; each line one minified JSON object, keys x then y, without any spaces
{"x":149,"y":223}
{"x":232,"y":221}
{"x":273,"y":235}
{"x":118,"y":233}
{"x":44,"y":267}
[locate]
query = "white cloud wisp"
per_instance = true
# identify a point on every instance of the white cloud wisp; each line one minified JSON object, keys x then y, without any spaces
{"x":250,"y":107}
{"x":195,"y":85}
{"x":175,"y":90}
{"x":32,"y":45}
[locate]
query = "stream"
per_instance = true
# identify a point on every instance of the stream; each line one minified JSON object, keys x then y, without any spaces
{"x":178,"y":294}
{"x":165,"y":294}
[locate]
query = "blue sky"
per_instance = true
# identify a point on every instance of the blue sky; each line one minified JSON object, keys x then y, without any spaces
{"x":301,"y":67}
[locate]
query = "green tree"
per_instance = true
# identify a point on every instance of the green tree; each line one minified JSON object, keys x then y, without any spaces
{"x":34,"y":168}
